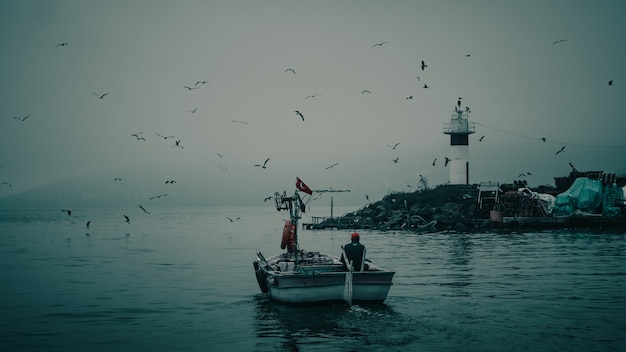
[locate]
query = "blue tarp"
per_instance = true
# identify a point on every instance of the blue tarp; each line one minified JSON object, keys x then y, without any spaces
{"x":584,"y":194}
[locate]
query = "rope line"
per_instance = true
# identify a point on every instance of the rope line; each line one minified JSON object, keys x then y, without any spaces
{"x":548,"y":140}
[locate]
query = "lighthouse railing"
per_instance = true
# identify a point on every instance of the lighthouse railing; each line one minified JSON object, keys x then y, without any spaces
{"x":459,"y":126}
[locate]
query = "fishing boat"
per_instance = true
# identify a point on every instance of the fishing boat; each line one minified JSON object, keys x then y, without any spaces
{"x":297,"y":276}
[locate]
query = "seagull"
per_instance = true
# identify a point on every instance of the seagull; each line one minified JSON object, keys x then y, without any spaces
{"x":158,"y":196}
{"x":8,"y":184}
{"x":423,"y":65}
{"x":333,"y":165}
{"x":394,"y":146}
{"x":127,"y":218}
{"x":481,"y":138}
{"x":559,"y":41}
{"x":419,"y":79}
{"x":87,"y":225}
{"x":367,"y":197}
{"x":312,"y":95}
{"x":560,"y":150}
{"x":100,"y":95}
{"x":264,"y":164}
{"x":191,"y":88}
{"x":220,"y":155}
{"x":118,"y":179}
{"x":164,"y":137}
{"x":201,"y":82}
{"x":231,"y":220}
{"x":290,"y":69}
{"x":299,"y":114}
{"x":521,"y":175}
{"x":572,"y":166}
{"x":136,"y":135}
{"x":426,"y":86}
{"x":62,"y":44}
{"x":178,"y":144}
{"x":409,"y":97}
{"x":242,"y":122}
{"x":395,"y":161}
{"x":611,"y":82}
{"x":170,"y":181}
{"x":379,"y":44}
{"x":69,"y":212}
{"x":193,"y":111}
{"x":366,"y":91}
{"x":267,"y":198}
{"x":467,"y":55}
{"x":21,"y":118}
{"x":144,"y":210}
{"x":543,"y":139}
{"x":435,"y":162}
{"x":447,"y":161}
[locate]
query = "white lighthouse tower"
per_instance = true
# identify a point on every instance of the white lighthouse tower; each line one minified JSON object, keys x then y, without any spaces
{"x":459,"y":129}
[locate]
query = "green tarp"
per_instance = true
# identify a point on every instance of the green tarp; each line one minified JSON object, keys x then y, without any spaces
{"x":584,"y":194}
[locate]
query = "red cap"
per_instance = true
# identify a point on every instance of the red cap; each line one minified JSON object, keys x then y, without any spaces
{"x":355,"y":236}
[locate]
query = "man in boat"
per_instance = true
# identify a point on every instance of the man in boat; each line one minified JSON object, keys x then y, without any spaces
{"x":355,"y":253}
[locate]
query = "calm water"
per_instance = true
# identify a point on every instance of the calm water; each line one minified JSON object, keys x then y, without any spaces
{"x":182,"y":279}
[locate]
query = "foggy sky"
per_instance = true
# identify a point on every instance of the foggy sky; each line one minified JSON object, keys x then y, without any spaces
{"x":520,"y":86}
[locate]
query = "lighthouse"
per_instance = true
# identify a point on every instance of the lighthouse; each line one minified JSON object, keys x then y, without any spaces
{"x":459,"y":128}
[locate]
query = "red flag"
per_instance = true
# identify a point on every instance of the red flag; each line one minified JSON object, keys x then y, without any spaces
{"x":301,"y":186}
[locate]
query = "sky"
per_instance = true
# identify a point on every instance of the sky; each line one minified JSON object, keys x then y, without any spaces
{"x":527,"y":69}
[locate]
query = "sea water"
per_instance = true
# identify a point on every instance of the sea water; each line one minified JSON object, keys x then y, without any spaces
{"x":182,"y":280}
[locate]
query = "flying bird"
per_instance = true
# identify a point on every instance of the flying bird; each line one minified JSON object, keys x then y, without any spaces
{"x":379,"y":44}
{"x":191,"y":88}
{"x":366,"y":91}
{"x":395,"y":161}
{"x":201,"y":82}
{"x":100,"y":95}
{"x":435,"y":162}
{"x":419,"y":79}
{"x":69,"y":212}
{"x":170,"y":181}
{"x":164,"y":137}
{"x":299,"y":114}
{"x":8,"y":184}
{"x":559,"y":41}
{"x":127,"y":218}
{"x":409,"y":97}
{"x":136,"y":135}
{"x":447,"y":161}
{"x":158,"y":196}
{"x":177,"y":144}
{"x":264,"y":164}
{"x":87,"y":225}
{"x":220,"y":155}
{"x":423,"y":65}
{"x":572,"y":166}
{"x":233,"y":220}
{"x":312,"y":95}
{"x":393,"y":146}
{"x":144,"y":210}
{"x":118,"y":179}
{"x":21,"y":118}
{"x":331,"y":166}
{"x":268,"y":198}
{"x":62,"y":44}
{"x":543,"y":139}
{"x":467,"y":55}
{"x":193,"y":111}
{"x":611,"y":82}
{"x":560,"y":150}
{"x":290,"y":69}
{"x":241,"y":122}
{"x":426,"y":86}
{"x":481,"y":138}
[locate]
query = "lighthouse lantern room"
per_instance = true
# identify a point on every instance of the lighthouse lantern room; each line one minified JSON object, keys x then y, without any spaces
{"x":459,"y":128}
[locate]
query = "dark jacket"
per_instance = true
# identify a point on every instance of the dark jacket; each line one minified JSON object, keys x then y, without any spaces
{"x":355,"y":252}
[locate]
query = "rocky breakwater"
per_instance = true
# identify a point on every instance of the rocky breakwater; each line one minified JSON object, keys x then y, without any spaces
{"x":446,"y":207}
